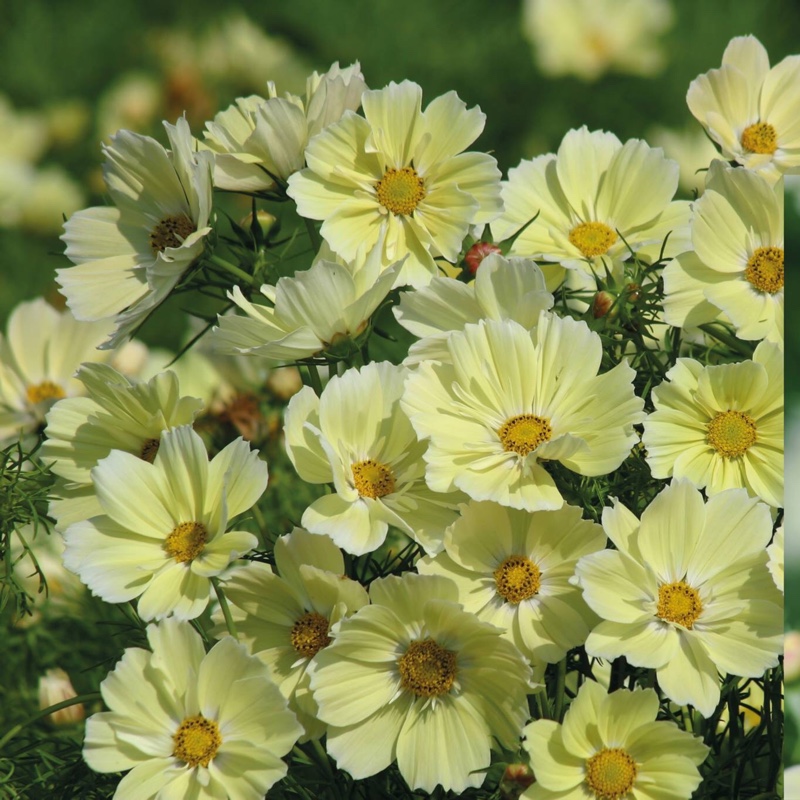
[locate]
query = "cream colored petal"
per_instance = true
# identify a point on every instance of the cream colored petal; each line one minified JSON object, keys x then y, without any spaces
{"x":637,"y":186}
{"x":583,"y":159}
{"x":237,"y":477}
{"x":648,"y":643}
{"x":685,"y":280}
{"x":780,"y":101}
{"x":749,"y":56}
{"x":302,"y":445}
{"x":394,"y":114}
{"x":477,"y":175}
{"x":690,"y":676}
{"x":557,"y":768}
{"x":351,"y":525}
{"x":449,"y":128}
{"x":615,"y":586}
{"x":720,"y":236}
{"x":174,"y":590}
{"x":443,"y":305}
{"x":625,"y":712}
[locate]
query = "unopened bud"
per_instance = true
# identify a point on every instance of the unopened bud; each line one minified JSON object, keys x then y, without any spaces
{"x":516,"y":779}
{"x":633,"y":292}
{"x":55,"y":687}
{"x":264,"y":219}
{"x":477,"y":253}
{"x":602,"y":304}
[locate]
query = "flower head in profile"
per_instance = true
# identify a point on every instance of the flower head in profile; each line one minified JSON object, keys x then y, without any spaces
{"x":285,"y":619}
{"x":357,"y":437}
{"x":504,"y":288}
{"x":750,"y":110}
{"x":517,"y":578}
{"x":399,"y":172}
{"x":186,"y":723}
{"x":588,"y":38}
{"x":592,"y":204}
{"x":322,"y":309}
{"x":38,"y":358}
{"x":736,"y":264}
{"x":508,"y":400}
{"x":611,"y":747}
{"x":257,"y":140}
{"x":721,"y":426}
{"x":129,"y":257}
{"x":412,"y":677}
{"x":117,"y":414}
{"x":162,"y":535}
{"x":687,"y":592}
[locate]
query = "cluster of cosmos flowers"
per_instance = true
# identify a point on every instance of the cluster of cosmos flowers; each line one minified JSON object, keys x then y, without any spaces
{"x":462,"y":448}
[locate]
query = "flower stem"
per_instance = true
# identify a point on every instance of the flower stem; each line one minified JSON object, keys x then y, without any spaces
{"x":232,"y":269}
{"x":73,"y":701}
{"x":313,"y":234}
{"x":226,"y":611}
{"x":561,"y":678}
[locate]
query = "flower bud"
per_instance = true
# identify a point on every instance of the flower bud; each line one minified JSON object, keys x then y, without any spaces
{"x":477,"y":253}
{"x":55,"y":687}
{"x":264,"y":219}
{"x":516,"y":779}
{"x":602,"y":304}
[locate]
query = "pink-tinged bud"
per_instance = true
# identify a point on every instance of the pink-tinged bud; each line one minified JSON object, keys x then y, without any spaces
{"x":477,"y":253}
{"x":791,"y":656}
{"x":516,"y":779}
{"x":602,"y":304}
{"x":55,"y":687}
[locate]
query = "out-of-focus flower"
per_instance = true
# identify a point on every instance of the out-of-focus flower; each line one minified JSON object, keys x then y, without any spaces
{"x":590,"y":37}
{"x":256,"y":140}
{"x":51,"y":196}
{"x":587,"y":207}
{"x":130,"y":256}
{"x":399,"y":175}
{"x":791,"y":655}
{"x":693,"y":152}
{"x":56,"y":687}
{"x":131,"y":103}
{"x":736,"y":262}
{"x":750,"y":110}
{"x":38,"y":359}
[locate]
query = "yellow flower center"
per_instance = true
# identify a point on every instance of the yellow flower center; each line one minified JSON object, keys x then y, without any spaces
{"x":427,"y":669}
{"x":187,"y":541}
{"x":524,"y":433}
{"x":149,"y":450}
{"x":517,"y":579}
{"x":372,"y":479}
{"x":46,"y":390}
{"x":680,"y":603}
{"x":760,"y":138}
{"x":765,"y":269}
{"x":197,"y":740}
{"x":171,"y":232}
{"x":400,"y":190}
{"x":592,"y":238}
{"x":731,"y":433}
{"x":310,"y":634}
{"x":610,"y":774}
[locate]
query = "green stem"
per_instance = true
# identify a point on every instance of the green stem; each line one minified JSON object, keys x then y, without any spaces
{"x":314,"y":380}
{"x":561,"y":679}
{"x":232,"y":269}
{"x":541,"y":704}
{"x":73,"y":701}
{"x":226,"y":611}
{"x":313,"y":234}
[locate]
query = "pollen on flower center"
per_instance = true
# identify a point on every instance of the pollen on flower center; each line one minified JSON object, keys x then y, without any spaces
{"x":517,"y":579}
{"x":400,"y":190}
{"x":592,"y":238}
{"x":524,"y":433}
{"x":187,"y":541}
{"x":427,"y":669}
{"x":760,"y":138}
{"x":610,"y":773}
{"x":171,"y":232}
{"x":732,"y":433}
{"x":764,"y":269}
{"x":149,"y":450}
{"x":46,"y":390}
{"x":372,"y":479}
{"x":680,"y":603}
{"x":310,"y":634}
{"x":196,"y":741}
